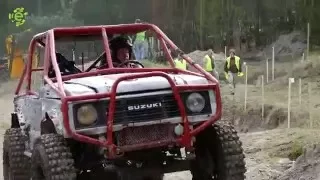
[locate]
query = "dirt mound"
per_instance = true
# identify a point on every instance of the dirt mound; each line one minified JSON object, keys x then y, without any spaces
{"x":271,"y":154}
{"x":308,"y":71}
{"x":286,"y":46}
{"x":307,"y":166}
{"x":198,"y":56}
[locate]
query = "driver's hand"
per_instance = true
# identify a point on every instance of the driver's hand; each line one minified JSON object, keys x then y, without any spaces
{"x":133,"y":65}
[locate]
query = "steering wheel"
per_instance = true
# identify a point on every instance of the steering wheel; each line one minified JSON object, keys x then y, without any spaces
{"x":131,"y":62}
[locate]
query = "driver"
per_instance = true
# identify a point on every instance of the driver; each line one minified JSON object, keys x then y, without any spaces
{"x":121,"y":51}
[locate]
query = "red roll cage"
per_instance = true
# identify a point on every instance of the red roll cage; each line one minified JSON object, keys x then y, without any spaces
{"x":57,"y":83}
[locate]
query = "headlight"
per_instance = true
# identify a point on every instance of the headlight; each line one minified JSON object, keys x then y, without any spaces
{"x":87,"y":114}
{"x":195,"y":102}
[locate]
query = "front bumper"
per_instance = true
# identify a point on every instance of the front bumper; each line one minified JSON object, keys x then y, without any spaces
{"x":113,"y":150}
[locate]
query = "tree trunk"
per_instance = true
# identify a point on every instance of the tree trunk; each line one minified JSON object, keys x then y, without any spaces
{"x":236,"y":37}
{"x":201,"y":11}
{"x":62,"y":4}
{"x":39,"y":6}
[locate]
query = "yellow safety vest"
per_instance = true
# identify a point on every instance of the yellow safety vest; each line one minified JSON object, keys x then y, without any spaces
{"x":141,"y":36}
{"x":208,"y":63}
{"x":9,"y":42}
{"x":237,"y":62}
{"x":180,"y":65}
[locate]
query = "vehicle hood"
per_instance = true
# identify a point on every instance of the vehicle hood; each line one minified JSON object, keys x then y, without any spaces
{"x":104,"y":83}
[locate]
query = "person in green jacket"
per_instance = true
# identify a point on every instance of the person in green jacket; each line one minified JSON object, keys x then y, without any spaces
{"x":209,"y":64}
{"x":233,"y":69}
{"x":139,"y":44}
{"x":180,"y":63}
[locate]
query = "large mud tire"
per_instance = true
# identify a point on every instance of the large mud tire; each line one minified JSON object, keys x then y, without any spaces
{"x":219,"y":155}
{"x":16,"y":166}
{"x":52,"y":160}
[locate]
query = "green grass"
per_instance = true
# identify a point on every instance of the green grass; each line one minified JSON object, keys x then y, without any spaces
{"x":295,"y":151}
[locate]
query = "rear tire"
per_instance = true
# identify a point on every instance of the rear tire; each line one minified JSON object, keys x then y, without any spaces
{"x":219,"y":155}
{"x":52,"y":159}
{"x":15,"y":163}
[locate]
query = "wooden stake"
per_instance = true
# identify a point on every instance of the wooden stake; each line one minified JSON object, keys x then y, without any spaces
{"x":273,"y":63}
{"x":246,"y":88}
{"x":300,"y":91}
{"x":267,"y":69}
{"x":308,"y":41}
{"x":290,"y":81}
{"x":310,"y":104}
{"x":262,"y":97}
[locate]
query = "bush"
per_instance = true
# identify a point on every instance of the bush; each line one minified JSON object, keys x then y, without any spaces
{"x":295,"y":151}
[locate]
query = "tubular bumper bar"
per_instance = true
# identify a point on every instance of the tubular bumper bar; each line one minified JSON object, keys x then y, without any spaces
{"x":113,"y":150}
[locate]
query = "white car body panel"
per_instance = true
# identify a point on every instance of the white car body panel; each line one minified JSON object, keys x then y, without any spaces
{"x":103,"y":84}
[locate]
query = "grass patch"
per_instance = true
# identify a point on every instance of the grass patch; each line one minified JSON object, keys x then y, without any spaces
{"x":291,"y":150}
{"x":295,"y":151}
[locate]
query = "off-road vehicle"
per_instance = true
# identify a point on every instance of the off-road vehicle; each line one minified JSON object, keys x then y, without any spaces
{"x":114,"y":122}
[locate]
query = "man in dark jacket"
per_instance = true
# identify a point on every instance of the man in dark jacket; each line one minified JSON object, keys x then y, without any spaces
{"x":233,"y":69}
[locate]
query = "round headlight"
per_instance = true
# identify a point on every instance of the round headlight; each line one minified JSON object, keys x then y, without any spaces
{"x":87,"y":114}
{"x":195,"y":102}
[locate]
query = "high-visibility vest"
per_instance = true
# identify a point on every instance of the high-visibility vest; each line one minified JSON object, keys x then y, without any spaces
{"x":237,"y":62}
{"x":180,"y":65}
{"x":208,"y":66}
{"x":9,"y":42}
{"x":141,"y":36}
